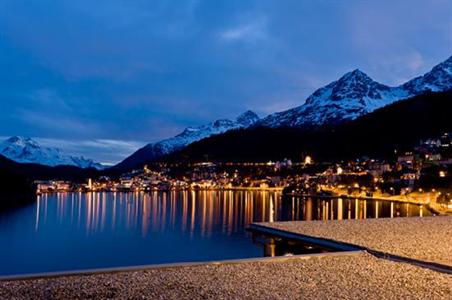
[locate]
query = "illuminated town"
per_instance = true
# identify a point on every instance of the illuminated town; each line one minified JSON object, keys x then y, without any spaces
{"x":422,"y":175}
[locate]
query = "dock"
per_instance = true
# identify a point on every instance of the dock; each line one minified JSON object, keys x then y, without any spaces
{"x":424,"y":239}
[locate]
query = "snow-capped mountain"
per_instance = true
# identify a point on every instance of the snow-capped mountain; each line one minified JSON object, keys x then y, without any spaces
{"x":356,"y":94}
{"x":27,"y":150}
{"x":437,"y":80}
{"x":188,"y":136}
{"x":351,"y":96}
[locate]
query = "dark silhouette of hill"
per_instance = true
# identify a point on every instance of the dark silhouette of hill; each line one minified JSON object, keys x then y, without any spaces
{"x":16,"y":179}
{"x":36,"y":171}
{"x":397,"y":126}
{"x":16,"y":189}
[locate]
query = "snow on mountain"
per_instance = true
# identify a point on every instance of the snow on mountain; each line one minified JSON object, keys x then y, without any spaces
{"x":247,"y":119}
{"x":356,"y":94}
{"x":351,"y":96}
{"x":193,"y":134}
{"x":437,"y":80}
{"x":26,"y":150}
{"x":188,"y":136}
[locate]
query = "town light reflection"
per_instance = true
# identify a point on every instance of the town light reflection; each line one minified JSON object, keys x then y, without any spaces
{"x":200,"y":212}
{"x":187,"y":211}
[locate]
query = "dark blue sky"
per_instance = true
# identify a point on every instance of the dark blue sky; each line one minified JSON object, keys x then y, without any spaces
{"x":101,"y":77}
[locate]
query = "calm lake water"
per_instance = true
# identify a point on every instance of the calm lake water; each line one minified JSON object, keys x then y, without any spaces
{"x":73,"y":231}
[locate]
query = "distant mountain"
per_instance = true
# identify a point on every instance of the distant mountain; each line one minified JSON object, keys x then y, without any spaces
{"x":26,"y":150}
{"x":32,"y":171}
{"x":399,"y":125}
{"x":356,"y":94}
{"x":189,"y":135}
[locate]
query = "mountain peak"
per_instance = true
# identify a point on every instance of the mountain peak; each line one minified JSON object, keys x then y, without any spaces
{"x":356,"y":94}
{"x":445,"y":66}
{"x":349,"y":97}
{"x":247,"y":118}
{"x":357,"y":72}
{"x":17,"y":139}
{"x":355,"y":89}
{"x":437,"y":80}
{"x":356,"y":76}
{"x":449,"y":60}
{"x":22,"y":141}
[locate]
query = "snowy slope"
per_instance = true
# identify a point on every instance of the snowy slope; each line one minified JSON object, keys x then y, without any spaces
{"x":356,"y":94}
{"x":188,"y":136}
{"x":437,"y":80}
{"x":26,"y":150}
{"x":193,"y":134}
{"x":353,"y":95}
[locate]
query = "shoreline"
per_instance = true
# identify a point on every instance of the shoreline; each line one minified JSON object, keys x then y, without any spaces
{"x":257,"y":189}
{"x":352,"y":275}
{"x":125,"y":269}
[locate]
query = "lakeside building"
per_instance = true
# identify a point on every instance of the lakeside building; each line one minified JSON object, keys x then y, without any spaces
{"x":424,"y":168}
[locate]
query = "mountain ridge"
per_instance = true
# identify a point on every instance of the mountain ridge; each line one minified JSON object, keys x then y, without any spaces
{"x":355,"y":94}
{"x":399,"y":125}
{"x":186,"y":137}
{"x":26,"y":150}
{"x":351,"y":96}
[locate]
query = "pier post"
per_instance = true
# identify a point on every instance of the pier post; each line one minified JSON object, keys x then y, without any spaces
{"x":349,"y":209}
{"x":339,"y":209}
{"x":365,"y":209}
{"x":308,"y":216}
{"x":356,"y":208}
{"x":376,"y":209}
{"x":332,"y":210}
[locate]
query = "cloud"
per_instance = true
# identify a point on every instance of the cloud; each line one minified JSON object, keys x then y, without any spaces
{"x":415,"y":61}
{"x":250,"y":32}
{"x":54,"y":123}
{"x":101,"y":150}
{"x":396,"y":43}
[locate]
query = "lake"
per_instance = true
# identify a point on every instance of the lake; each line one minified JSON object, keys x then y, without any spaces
{"x":74,"y":231}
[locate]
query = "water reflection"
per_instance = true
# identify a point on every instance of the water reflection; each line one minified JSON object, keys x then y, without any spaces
{"x":94,"y":230}
{"x":203,"y":212}
{"x":276,"y":246}
{"x":295,"y":208}
{"x":187,"y":211}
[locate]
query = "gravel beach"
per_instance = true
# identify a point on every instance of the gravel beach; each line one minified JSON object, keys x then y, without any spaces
{"x":427,"y":239}
{"x":359,"y":276}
